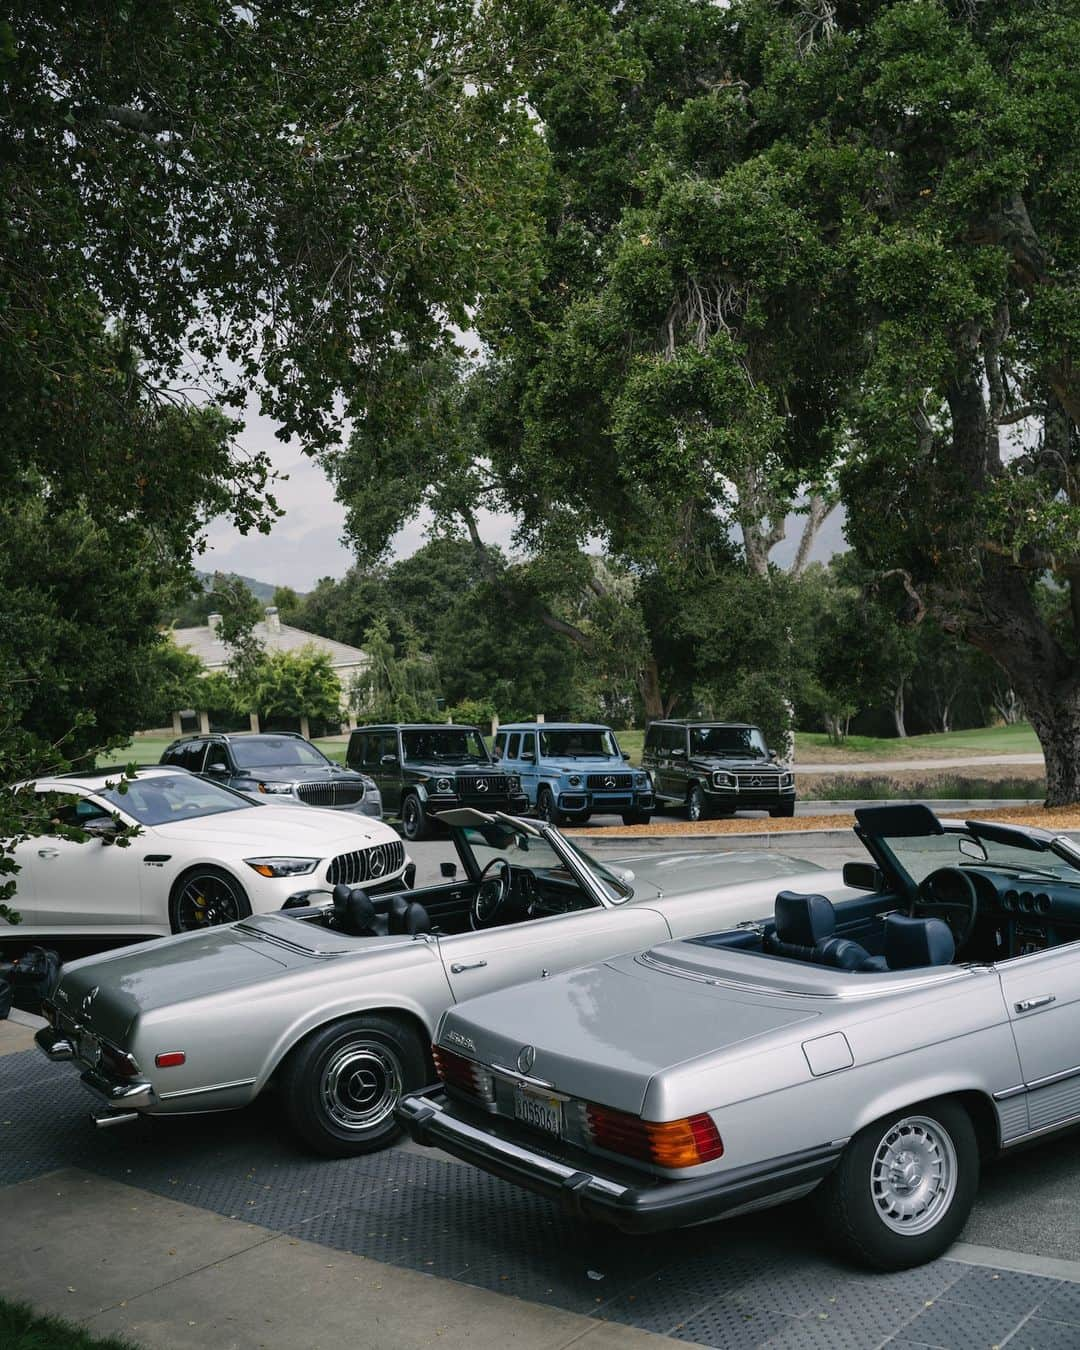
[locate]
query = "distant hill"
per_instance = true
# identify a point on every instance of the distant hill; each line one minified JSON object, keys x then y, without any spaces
{"x":261,"y":590}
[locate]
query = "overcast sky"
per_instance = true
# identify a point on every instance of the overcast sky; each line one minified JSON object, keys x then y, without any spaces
{"x":306,"y":543}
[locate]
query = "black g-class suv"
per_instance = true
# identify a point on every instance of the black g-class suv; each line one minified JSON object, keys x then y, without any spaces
{"x":716,"y":769}
{"x":424,"y":768}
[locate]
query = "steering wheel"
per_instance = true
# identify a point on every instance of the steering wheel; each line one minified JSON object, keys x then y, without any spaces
{"x":948,"y":894}
{"x":491,"y":892}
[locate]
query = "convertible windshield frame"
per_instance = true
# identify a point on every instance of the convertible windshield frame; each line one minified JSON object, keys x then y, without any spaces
{"x":1004,"y":850}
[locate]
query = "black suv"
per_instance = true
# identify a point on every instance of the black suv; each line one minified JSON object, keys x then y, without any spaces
{"x":281,"y":765}
{"x":716,"y":768}
{"x":424,"y":768}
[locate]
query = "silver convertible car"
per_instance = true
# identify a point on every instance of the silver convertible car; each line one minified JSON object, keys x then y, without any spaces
{"x":334,"y":1000}
{"x":871,"y":1051}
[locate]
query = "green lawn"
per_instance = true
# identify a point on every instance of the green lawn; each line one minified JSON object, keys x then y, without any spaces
{"x":810,"y":746}
{"x":22,"y":1329}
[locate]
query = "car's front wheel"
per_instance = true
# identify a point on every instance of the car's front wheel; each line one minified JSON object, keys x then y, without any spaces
{"x":636,"y":817}
{"x":784,"y":809}
{"x":342,"y":1083}
{"x":205,"y":896}
{"x":903,"y":1188}
{"x":414,"y":821}
{"x":546,"y":808}
{"x":697,"y":808}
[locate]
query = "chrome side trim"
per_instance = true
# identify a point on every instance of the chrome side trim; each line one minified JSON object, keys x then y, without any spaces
{"x":1053,"y":1078}
{"x":1006,"y":1093}
{"x":944,"y":975}
{"x":1043,"y":1129}
{"x":214,"y":1087}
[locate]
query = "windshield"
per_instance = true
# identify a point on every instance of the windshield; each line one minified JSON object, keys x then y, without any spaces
{"x":496,"y":840}
{"x":727,"y":741}
{"x":451,"y":744}
{"x":925,"y":854}
{"x":276,"y":751}
{"x":168,"y":797}
{"x":579,"y":742}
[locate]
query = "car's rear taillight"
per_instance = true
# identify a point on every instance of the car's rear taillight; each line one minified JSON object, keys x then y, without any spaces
{"x":463,"y":1074}
{"x":117,"y":1063}
{"x":668,"y":1143}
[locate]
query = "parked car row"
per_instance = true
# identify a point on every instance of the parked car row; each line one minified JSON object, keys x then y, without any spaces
{"x":651,"y":1044}
{"x":563,"y":772}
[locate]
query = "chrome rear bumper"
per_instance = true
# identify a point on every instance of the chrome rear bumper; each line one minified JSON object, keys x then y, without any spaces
{"x":122,"y":1098}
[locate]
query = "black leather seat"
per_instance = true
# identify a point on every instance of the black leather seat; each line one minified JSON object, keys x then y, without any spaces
{"x":407,"y":917}
{"x":910,"y":943}
{"x":355,"y":914}
{"x":801,"y":923}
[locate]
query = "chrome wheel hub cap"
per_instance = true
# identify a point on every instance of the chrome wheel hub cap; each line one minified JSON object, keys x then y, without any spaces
{"x":913,"y":1175}
{"x":361,"y":1085}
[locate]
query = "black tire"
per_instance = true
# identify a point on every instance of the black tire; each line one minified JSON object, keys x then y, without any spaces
{"x":697,"y":808}
{"x":546,"y":808}
{"x":223,"y":899}
{"x":341,"y":1084}
{"x":414,"y":821}
{"x":854,"y":1200}
{"x":636,"y":817}
{"x":784,"y":809}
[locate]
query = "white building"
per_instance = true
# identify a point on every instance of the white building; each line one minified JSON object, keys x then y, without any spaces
{"x":274,"y":636}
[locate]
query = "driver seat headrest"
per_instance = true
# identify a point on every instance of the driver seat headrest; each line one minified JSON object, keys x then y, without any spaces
{"x":803,"y":920}
{"x":407,"y":917}
{"x":910,"y":943}
{"x":355,"y":914}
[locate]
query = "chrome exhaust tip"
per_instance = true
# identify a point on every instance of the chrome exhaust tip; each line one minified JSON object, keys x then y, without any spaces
{"x":105,"y":1119}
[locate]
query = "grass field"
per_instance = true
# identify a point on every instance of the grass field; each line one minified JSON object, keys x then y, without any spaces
{"x":810,"y":746}
{"x":22,"y":1329}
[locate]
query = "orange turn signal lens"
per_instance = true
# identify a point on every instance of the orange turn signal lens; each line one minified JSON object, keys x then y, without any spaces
{"x":667,"y":1143}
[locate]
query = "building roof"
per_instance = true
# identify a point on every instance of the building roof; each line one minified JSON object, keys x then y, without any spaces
{"x":205,"y":643}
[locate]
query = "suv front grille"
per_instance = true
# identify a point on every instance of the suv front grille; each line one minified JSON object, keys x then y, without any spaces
{"x":493,"y":785}
{"x":330,"y":793}
{"x":758,"y":780}
{"x":367,"y":864}
{"x":610,"y":782}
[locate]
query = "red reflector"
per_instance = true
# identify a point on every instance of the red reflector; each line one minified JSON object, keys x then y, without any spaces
{"x":170,"y":1060}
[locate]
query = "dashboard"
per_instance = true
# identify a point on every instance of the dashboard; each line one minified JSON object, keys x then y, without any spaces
{"x":1029,"y":911}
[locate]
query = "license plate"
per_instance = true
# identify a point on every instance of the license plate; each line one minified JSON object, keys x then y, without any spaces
{"x":542,"y":1113}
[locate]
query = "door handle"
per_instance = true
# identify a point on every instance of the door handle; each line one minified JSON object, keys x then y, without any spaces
{"x":48,"y":853}
{"x":1043,"y":1001}
{"x":459,"y":966}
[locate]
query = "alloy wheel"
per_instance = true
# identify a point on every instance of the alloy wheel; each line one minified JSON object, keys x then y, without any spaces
{"x":360,"y":1085}
{"x":206,"y":901}
{"x":913,"y":1175}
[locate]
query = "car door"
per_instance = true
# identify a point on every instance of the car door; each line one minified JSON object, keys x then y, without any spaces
{"x":1042,"y":998}
{"x":492,"y":958}
{"x":389,"y":775}
{"x":90,"y":885}
{"x":527,"y":765}
{"x":669,"y":741}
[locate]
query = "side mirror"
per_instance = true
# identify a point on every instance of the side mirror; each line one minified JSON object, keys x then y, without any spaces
{"x":626,"y":754}
{"x":104,"y":828}
{"x":772,"y":755}
{"x":221,"y":770}
{"x":448,"y":870}
{"x":388,"y":762}
{"x":529,"y":758}
{"x":678,"y":751}
{"x":863,"y":876}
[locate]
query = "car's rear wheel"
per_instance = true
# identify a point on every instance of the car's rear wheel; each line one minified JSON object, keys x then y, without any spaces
{"x":697,"y":808}
{"x":903,"y":1188}
{"x":205,"y":896}
{"x":342,"y":1083}
{"x":414,"y":821}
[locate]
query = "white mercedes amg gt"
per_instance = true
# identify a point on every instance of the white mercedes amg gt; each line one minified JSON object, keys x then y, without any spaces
{"x":203,"y":855}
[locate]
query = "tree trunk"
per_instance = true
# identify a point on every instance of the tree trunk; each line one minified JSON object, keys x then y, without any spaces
{"x":649,"y":686}
{"x":1056,"y":721}
{"x":898,"y":710}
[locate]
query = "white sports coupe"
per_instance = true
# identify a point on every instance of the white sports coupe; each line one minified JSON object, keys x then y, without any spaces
{"x":204,"y":855}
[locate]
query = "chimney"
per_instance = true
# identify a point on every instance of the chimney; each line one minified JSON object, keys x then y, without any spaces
{"x":273,"y":619}
{"x":214,"y":622}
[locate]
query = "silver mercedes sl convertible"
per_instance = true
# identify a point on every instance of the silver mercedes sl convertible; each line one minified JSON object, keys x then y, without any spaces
{"x":334,"y":1000}
{"x":871,"y":1051}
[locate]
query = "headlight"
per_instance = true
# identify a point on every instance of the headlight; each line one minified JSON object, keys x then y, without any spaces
{"x":514,"y":783}
{"x":787,"y":779}
{"x":282,"y":867}
{"x":723,"y":780}
{"x":444,"y":785}
{"x":285,"y":788}
{"x":642,"y":780}
{"x":574,"y":780}
{"x":370,"y":784}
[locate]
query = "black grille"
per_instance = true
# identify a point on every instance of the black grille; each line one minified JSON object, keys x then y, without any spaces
{"x":494,"y":785}
{"x":330,"y":794}
{"x":367,"y":864}
{"x":610,"y":782}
